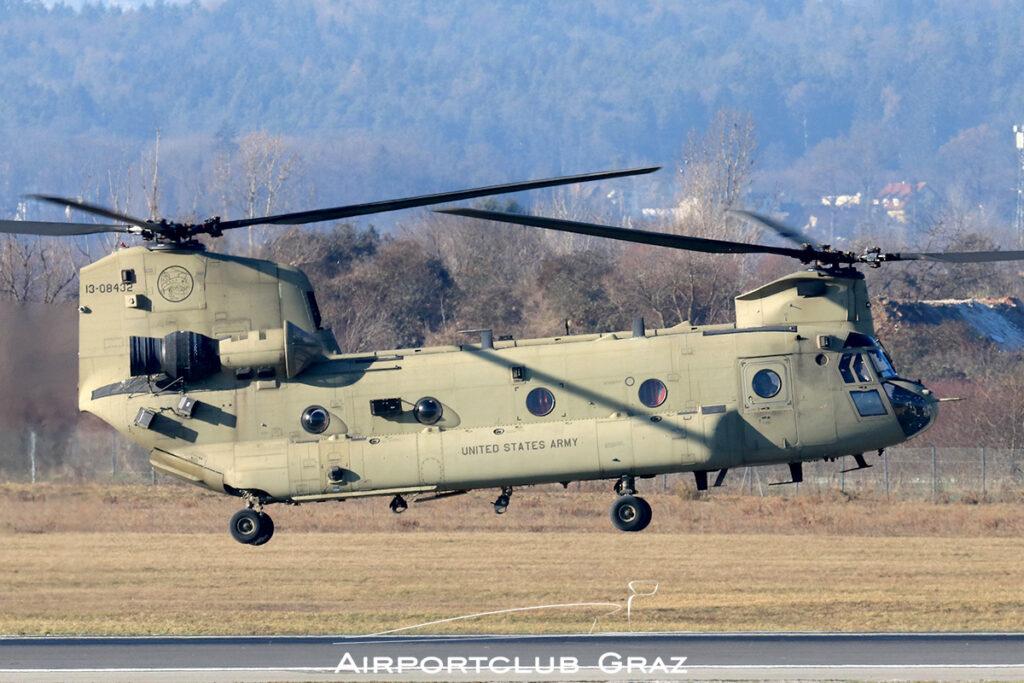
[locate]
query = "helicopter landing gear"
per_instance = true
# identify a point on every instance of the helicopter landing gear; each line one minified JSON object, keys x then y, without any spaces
{"x":626,"y":484}
{"x":501,"y":504}
{"x":631,"y":513}
{"x":251,"y":527}
{"x":398,"y":505}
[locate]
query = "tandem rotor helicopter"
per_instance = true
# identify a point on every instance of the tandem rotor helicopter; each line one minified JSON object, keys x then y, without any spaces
{"x":219,"y":366}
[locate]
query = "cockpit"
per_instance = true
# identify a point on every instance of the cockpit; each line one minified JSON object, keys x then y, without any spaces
{"x":864,"y":362}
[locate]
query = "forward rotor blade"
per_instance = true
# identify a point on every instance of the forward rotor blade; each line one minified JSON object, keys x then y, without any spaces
{"x":339,"y":212}
{"x":960,"y":256}
{"x":93,"y":209}
{"x":772,"y":224}
{"x":659,"y":239}
{"x":59,"y":229}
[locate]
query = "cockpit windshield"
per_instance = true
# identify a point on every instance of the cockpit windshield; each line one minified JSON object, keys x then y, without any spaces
{"x":880,"y":360}
{"x":853,"y":366}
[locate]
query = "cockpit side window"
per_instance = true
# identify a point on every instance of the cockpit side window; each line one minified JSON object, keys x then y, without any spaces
{"x":854,"y":368}
{"x":314,"y":310}
{"x":844,"y":368}
{"x":860,"y":368}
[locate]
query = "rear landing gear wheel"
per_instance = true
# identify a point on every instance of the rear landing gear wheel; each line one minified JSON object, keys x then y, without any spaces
{"x":267,"y":531}
{"x":251,"y":527}
{"x":630,"y":513}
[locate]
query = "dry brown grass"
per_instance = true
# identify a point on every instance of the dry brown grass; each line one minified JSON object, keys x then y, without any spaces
{"x":93,"y":560}
{"x":49,"y":508}
{"x":113,"y":583}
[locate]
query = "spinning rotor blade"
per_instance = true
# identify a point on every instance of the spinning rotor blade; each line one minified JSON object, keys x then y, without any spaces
{"x":93,"y":209}
{"x":348,"y":211}
{"x":59,"y":229}
{"x":660,"y":239}
{"x":779,"y":228}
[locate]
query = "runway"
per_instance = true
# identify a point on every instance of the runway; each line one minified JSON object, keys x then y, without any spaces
{"x":658,"y":656}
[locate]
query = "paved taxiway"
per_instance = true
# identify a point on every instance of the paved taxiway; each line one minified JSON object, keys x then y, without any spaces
{"x":746,"y":656}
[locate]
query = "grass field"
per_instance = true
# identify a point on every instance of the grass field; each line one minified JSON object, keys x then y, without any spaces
{"x":158,"y":560}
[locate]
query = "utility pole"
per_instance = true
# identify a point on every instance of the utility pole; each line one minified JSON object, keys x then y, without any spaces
{"x":1018,"y":223}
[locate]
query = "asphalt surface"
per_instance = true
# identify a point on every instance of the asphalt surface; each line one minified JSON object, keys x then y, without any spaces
{"x":667,"y":656}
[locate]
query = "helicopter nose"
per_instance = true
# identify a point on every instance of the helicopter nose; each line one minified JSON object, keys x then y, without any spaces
{"x":915,"y":405}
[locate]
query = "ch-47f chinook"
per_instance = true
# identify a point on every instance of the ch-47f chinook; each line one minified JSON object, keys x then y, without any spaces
{"x":220,"y":367}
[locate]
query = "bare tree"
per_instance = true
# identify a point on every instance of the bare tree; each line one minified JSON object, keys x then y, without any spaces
{"x":716,"y":170}
{"x":717,"y":167}
{"x":152,"y":187}
{"x":253,"y":179}
{"x":265,"y":165}
{"x":36,"y":269}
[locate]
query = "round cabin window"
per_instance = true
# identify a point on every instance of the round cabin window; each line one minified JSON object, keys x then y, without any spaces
{"x":653,"y":393}
{"x":540,"y":401}
{"x":315,"y":419}
{"x":766,"y":383}
{"x":428,"y":410}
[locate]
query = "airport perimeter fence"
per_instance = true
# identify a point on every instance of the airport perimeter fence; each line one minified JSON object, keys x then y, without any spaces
{"x":922,"y":472}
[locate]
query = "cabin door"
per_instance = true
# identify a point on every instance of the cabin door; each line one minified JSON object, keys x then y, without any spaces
{"x":767,"y":406}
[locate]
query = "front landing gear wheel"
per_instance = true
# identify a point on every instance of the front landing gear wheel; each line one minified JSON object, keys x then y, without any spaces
{"x":648,"y":513}
{"x":630,"y":513}
{"x":251,"y":527}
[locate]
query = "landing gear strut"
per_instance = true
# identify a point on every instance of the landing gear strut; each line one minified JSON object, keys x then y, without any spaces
{"x":501,"y":504}
{"x":398,"y":505}
{"x":629,"y":512}
{"x":251,"y":525}
{"x":626,"y":484}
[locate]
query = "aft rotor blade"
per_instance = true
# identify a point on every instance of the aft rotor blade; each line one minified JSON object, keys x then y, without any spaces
{"x":774,"y":225}
{"x":659,"y":239}
{"x":59,"y":229}
{"x":96,"y":210}
{"x":339,"y":212}
{"x":960,"y":256}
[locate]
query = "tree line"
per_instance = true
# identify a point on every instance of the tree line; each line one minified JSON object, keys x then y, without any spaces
{"x":847,"y":95}
{"x":436,"y":274}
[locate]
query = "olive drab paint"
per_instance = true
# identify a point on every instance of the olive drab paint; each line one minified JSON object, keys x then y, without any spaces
{"x":272,"y":411}
{"x":221,"y":368}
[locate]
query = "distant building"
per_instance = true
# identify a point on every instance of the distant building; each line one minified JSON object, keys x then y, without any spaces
{"x":899,"y":199}
{"x":684,"y":209}
{"x":841,"y":200}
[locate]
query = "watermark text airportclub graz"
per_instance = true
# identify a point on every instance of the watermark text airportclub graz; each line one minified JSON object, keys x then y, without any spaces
{"x":610,"y":663}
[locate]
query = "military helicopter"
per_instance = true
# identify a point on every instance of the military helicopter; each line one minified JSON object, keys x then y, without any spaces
{"x":221,"y":368}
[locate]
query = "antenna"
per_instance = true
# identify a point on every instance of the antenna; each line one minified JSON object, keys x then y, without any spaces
{"x":1018,"y":223}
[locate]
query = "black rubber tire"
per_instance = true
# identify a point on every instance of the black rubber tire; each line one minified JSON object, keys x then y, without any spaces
{"x":268,"y":529}
{"x":628,"y":514}
{"x":647,"y":513}
{"x":246,"y":526}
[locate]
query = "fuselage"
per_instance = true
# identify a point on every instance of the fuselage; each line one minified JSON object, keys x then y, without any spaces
{"x":799,"y":377}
